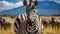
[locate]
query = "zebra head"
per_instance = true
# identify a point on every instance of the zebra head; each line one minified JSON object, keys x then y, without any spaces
{"x":30,"y":8}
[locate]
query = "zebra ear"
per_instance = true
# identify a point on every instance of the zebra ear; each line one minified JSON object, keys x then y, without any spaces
{"x":25,"y":3}
{"x":36,"y":2}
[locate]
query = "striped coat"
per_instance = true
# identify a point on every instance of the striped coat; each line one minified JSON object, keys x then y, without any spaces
{"x":21,"y":23}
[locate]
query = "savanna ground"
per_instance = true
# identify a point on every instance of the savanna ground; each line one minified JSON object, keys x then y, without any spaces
{"x":48,"y":30}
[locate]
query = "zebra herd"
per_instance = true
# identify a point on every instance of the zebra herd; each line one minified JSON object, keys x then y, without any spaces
{"x":53,"y":22}
{"x":46,"y":21}
{"x":4,"y":23}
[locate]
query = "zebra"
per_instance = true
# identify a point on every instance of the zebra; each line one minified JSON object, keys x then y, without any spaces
{"x":28,"y":23}
{"x":6,"y":23}
{"x":20,"y":22}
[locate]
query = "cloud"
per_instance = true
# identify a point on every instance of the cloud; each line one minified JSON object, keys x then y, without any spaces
{"x":4,"y":5}
{"x":57,"y":1}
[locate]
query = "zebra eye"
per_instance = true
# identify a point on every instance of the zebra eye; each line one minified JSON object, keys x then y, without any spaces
{"x":34,"y":11}
{"x":33,"y":16}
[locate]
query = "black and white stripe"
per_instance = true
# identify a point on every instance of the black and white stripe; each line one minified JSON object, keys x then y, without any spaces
{"x":19,"y":20}
{"x":21,"y":24}
{"x":28,"y":24}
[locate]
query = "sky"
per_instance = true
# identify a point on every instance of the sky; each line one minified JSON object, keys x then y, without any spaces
{"x":11,"y":4}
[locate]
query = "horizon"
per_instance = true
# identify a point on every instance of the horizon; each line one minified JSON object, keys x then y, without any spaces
{"x":46,"y":8}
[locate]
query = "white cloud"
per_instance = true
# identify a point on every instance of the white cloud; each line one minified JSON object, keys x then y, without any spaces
{"x":57,"y":1}
{"x":19,"y":4}
{"x":4,"y":5}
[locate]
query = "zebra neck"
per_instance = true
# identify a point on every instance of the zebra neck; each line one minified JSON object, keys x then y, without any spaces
{"x":31,"y":28}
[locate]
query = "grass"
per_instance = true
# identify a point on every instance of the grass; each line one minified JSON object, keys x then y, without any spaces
{"x":48,"y":30}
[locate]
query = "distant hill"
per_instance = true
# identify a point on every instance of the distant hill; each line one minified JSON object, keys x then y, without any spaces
{"x":48,"y":5}
{"x":13,"y":12}
{"x":44,"y":8}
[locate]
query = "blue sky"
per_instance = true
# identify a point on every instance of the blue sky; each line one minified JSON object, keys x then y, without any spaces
{"x":11,"y":4}
{"x":11,"y":1}
{"x":14,"y":1}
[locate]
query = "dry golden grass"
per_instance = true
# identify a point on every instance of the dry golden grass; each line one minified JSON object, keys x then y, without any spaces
{"x":48,"y":30}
